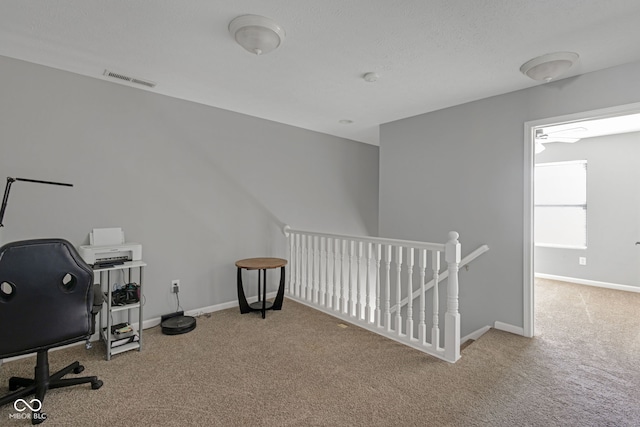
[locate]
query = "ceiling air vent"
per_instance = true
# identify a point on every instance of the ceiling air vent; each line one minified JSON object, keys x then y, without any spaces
{"x":129,"y":79}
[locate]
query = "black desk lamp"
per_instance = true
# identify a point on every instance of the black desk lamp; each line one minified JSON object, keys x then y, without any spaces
{"x":7,"y":188}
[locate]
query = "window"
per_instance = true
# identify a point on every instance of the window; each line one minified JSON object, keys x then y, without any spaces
{"x":561,"y":204}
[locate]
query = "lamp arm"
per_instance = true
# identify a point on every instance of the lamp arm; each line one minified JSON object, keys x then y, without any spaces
{"x":5,"y":198}
{"x":7,"y":188}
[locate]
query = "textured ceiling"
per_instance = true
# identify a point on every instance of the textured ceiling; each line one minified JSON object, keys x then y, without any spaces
{"x":429,"y":54}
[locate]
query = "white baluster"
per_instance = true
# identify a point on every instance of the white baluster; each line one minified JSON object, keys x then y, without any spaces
{"x":316,"y":270}
{"x":294,"y":267}
{"x":422,"y":326}
{"x":302,"y":284}
{"x":293,"y":272}
{"x":398,"y":289}
{"x":328,"y":295}
{"x":367,"y":305}
{"x":452,"y":316}
{"x":435,"y":328}
{"x":310,"y":256}
{"x":345,"y":281}
{"x":351,"y":307}
{"x":387,"y":294}
{"x":410,"y":256}
{"x":359,"y":280}
{"x":292,"y":262}
{"x":336,"y":269}
{"x":321,"y":270}
{"x":303,"y":266}
{"x":378,"y":310}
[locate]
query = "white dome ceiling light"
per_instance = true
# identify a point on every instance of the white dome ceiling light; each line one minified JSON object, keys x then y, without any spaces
{"x":550,"y":66}
{"x":370,"y":77}
{"x":257,"y":34}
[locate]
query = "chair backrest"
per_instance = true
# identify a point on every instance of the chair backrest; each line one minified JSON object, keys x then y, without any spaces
{"x":46,"y":296}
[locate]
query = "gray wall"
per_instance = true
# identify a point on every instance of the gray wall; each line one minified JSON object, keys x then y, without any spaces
{"x":462,"y":169}
{"x":199,"y":187}
{"x":613,"y":211}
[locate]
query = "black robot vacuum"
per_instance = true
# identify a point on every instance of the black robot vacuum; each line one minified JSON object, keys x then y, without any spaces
{"x":178,"y":325}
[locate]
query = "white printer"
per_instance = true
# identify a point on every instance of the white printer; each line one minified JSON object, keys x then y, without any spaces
{"x":107,"y":247}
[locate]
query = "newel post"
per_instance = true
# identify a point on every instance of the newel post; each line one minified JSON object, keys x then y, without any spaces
{"x":452,"y":317}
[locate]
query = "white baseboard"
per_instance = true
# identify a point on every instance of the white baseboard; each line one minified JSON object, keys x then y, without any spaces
{"x":595,"y":283}
{"x":150,"y":323}
{"x":22,"y":356}
{"x":475,"y":335}
{"x":509,"y":328}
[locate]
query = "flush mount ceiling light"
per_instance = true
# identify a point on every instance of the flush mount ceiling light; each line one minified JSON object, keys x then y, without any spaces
{"x":550,"y":66}
{"x":370,"y":77}
{"x":257,"y":34}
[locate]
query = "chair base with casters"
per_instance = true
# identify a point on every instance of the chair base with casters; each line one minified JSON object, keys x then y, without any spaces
{"x":42,"y":381}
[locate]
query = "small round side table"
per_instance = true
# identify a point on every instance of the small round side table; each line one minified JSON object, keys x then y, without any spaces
{"x":262,"y":265}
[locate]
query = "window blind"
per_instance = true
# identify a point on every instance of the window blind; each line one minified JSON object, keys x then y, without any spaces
{"x":560,"y":191}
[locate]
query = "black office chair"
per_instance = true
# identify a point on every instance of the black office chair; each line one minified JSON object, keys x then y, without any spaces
{"x":46,"y":301}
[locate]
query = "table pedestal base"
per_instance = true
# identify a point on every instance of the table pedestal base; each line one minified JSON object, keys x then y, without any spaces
{"x":262,"y":304}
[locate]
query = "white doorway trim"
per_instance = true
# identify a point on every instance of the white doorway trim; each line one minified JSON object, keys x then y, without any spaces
{"x":529,"y":159}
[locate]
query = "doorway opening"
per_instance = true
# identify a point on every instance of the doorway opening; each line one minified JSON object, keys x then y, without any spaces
{"x":539,"y":135}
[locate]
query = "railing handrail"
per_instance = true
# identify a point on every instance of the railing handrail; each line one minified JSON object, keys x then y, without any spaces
{"x":367,"y":239}
{"x":463,"y":262}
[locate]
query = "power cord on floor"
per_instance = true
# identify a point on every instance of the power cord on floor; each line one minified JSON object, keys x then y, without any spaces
{"x":178,"y":308}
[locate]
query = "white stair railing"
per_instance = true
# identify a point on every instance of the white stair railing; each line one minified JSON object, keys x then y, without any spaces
{"x":370,"y":282}
{"x":463,"y":263}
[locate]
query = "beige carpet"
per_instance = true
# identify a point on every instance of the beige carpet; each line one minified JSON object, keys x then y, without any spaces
{"x":298,"y":367}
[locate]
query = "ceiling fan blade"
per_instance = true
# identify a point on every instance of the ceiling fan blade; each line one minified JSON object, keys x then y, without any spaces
{"x":569,"y":131}
{"x":543,"y":138}
{"x":560,"y":139}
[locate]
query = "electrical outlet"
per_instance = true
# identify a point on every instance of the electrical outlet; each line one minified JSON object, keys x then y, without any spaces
{"x":175,"y":286}
{"x":582,"y":260}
